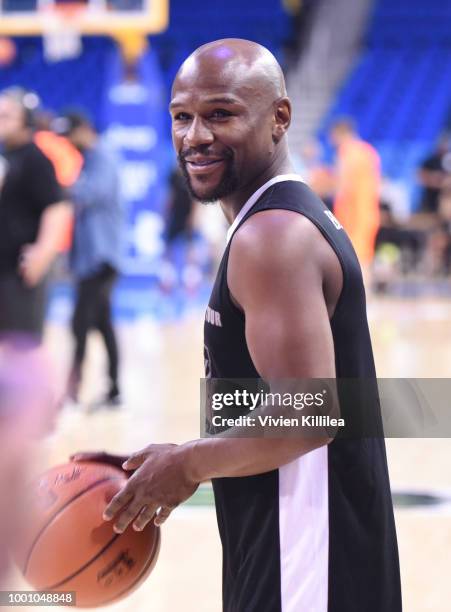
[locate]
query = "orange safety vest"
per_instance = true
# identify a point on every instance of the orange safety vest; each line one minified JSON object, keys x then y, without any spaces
{"x":356,"y":203}
{"x":67,"y":161}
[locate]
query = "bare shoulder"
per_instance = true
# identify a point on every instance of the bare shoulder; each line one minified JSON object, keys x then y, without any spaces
{"x":280,"y":244}
{"x":279,"y":234}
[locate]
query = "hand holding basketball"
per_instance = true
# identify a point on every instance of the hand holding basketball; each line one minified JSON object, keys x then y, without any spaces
{"x":64,"y":543}
{"x":159,"y":484}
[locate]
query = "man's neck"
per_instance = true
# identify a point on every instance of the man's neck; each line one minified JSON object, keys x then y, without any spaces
{"x":232,"y":205}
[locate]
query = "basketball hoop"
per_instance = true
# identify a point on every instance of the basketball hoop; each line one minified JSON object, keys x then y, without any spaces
{"x":61,"y":36}
{"x":61,"y":23}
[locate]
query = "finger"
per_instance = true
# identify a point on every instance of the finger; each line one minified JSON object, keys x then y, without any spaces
{"x":136,"y":460}
{"x":162,"y":515}
{"x":87,"y":456}
{"x":145,"y":516}
{"x":127,"y":516}
{"x":99,"y":457}
{"x":117,"y":504}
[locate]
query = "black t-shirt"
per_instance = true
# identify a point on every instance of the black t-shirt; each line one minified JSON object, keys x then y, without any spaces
{"x":28,"y":185}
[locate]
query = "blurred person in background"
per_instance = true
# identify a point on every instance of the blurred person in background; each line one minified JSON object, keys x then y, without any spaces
{"x":179,"y":209}
{"x":33,"y":215}
{"x":95,"y":257}
{"x":434,"y":214}
{"x":66,"y":160}
{"x":184,"y":261}
{"x":432,"y":174}
{"x":318,"y":176}
{"x":356,"y":203}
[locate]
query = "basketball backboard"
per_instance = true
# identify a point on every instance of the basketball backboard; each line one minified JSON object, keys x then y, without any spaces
{"x":30,"y":17}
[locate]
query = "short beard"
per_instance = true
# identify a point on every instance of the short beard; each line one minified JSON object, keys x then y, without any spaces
{"x":227,"y":186}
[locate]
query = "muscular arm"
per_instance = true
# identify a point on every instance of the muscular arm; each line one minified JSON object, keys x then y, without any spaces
{"x":287,"y":280}
{"x":279,"y":265}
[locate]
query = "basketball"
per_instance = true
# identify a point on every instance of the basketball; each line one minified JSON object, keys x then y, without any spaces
{"x":67,"y":546}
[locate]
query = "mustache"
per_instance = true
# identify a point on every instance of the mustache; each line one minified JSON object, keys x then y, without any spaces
{"x":204,"y":151}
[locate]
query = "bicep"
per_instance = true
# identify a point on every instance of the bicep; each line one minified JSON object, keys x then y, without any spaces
{"x":289,"y":335}
{"x":279,"y":286}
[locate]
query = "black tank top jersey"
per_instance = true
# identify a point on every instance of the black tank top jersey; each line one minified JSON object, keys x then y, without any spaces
{"x":317,"y":535}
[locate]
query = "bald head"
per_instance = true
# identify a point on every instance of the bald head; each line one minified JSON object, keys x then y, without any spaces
{"x":235,"y":61}
{"x":230,"y":114}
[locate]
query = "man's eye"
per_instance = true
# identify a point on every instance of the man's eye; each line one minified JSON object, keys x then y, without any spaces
{"x":220,"y":114}
{"x":181,"y":117}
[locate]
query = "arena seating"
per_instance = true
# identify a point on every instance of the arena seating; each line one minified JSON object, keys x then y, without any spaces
{"x":399,"y":92}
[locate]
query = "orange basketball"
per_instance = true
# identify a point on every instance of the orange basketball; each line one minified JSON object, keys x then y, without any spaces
{"x":67,"y":546}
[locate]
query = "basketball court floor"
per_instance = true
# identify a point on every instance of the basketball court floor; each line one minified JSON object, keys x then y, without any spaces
{"x":162,"y":365}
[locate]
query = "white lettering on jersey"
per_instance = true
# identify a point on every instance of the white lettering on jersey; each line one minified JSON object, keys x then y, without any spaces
{"x":213,"y":317}
{"x":334,"y":219}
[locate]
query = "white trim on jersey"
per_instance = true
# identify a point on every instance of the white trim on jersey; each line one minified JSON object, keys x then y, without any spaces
{"x":256,"y":195}
{"x":304,"y":532}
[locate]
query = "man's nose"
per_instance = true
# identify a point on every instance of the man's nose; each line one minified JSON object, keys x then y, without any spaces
{"x":198,"y":134}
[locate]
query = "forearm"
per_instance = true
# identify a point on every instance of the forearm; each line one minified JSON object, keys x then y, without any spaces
{"x":54,"y":221}
{"x":259,"y":446}
{"x":232,"y":457}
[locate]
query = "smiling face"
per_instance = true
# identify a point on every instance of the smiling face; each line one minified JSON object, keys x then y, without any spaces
{"x":206,"y":134}
{"x":225,"y":125}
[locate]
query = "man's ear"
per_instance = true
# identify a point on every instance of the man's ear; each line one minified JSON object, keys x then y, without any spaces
{"x":282,"y":118}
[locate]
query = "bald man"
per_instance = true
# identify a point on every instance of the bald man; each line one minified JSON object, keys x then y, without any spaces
{"x":306,"y":522}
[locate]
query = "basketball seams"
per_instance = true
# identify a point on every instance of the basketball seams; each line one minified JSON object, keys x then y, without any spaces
{"x":142,"y":575}
{"x":139,"y":578}
{"x":83,"y":567}
{"x":58,"y":512}
{"x":129,"y":588}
